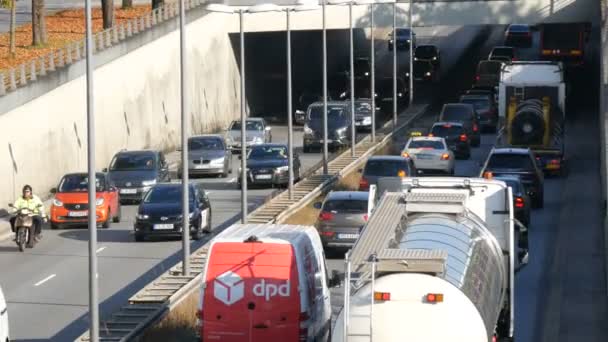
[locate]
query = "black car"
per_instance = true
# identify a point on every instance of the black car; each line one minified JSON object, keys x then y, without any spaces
{"x":160,"y":212}
{"x":521,"y":200}
{"x":362,"y":67}
{"x":504,"y":54}
{"x":455,"y":136}
{"x":268,"y":164}
{"x":384,"y":91}
{"x":135,"y":172}
{"x":428,"y":53}
{"x":488,"y":74}
{"x":363,"y":89}
{"x":378,"y":167}
{"x":404,"y":38}
{"x":338,"y":125}
{"x":486,"y":110}
{"x":424,"y":71}
{"x":519,"y":162}
{"x":518,"y":35}
{"x":466,"y":114}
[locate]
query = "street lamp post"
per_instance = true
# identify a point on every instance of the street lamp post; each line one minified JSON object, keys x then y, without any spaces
{"x":220,"y":8}
{"x":409,"y":20}
{"x":184,"y":117}
{"x":325,"y":151}
{"x":394,"y":65}
{"x":288,"y":10}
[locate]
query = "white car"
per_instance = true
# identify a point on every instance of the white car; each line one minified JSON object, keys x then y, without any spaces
{"x":4,"y":336}
{"x":430,"y":155}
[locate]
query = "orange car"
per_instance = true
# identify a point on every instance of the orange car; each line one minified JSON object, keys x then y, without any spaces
{"x":70,"y":205}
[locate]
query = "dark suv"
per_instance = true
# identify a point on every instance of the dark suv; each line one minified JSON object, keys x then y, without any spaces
{"x":464,"y":113}
{"x":455,"y":137}
{"x":486,"y":110}
{"x":135,"y":172}
{"x":519,"y":162}
{"x":338,"y":125}
{"x":385,"y":166}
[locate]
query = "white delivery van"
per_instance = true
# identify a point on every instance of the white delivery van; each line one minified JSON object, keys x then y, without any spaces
{"x":265,"y":282}
{"x":3,"y":318}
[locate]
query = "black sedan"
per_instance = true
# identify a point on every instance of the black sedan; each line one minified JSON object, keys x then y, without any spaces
{"x":160,"y":212}
{"x":268,"y":164}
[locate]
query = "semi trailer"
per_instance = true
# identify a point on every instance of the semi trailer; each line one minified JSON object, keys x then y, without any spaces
{"x":434,"y":263}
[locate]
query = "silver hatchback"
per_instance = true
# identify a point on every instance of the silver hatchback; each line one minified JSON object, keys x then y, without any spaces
{"x":343,"y":215}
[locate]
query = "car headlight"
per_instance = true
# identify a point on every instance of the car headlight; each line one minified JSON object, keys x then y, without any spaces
{"x":307,"y":130}
{"x":343,"y":95}
{"x":407,"y":74}
{"x":142,"y":217}
{"x":390,"y":40}
{"x":258,"y":139}
{"x":415,"y":58}
{"x":366,"y":73}
{"x":341,"y":131}
{"x":282,"y":169}
{"x":367,"y":120}
{"x":300,"y":112}
{"x":434,"y":58}
{"x":400,"y":94}
{"x":408,"y":41}
{"x":99,"y":202}
{"x":148,"y":182}
{"x":428,"y":73}
{"x":217,"y":161}
{"x":57,"y":203}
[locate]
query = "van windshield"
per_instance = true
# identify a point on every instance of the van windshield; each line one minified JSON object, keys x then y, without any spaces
{"x":446,"y":130}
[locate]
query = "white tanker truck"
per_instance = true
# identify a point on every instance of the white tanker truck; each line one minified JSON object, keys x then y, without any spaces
{"x":435,"y":263}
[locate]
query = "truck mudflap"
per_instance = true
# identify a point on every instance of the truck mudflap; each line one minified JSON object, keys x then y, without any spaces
{"x":550,"y":161}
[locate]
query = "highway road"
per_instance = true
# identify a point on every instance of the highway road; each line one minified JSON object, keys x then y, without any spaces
{"x":49,"y":283}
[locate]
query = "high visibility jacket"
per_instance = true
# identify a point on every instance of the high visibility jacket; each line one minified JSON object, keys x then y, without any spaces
{"x":31,"y":204}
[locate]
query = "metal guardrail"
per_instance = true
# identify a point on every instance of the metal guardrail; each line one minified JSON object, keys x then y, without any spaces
{"x":158,"y":298}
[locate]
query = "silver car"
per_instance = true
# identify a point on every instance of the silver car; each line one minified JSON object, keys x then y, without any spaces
{"x":430,"y":155}
{"x":208,"y":155}
{"x":257,"y":132}
{"x":343,"y":215}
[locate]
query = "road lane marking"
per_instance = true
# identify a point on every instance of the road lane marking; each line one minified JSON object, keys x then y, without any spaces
{"x":45,"y":280}
{"x":101,"y":249}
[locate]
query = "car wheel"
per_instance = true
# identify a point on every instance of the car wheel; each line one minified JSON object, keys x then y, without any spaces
{"x":139,"y":237}
{"x":118,"y":216}
{"x":198,"y":234}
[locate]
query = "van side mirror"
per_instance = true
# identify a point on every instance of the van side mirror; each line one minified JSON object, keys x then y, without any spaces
{"x":317,"y":205}
{"x":105,"y":169}
{"x":53,"y":190}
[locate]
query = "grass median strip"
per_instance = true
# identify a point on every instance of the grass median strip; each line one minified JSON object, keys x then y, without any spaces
{"x":179,"y":325}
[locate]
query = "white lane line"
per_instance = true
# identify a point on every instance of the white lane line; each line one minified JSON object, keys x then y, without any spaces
{"x":101,"y":249}
{"x":45,"y":280}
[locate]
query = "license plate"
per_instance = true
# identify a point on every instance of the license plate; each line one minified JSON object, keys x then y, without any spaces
{"x":263,"y":177}
{"x":128,"y":191}
{"x":424,"y":156}
{"x":163,"y":226}
{"x":78,"y":213}
{"x":328,"y":141}
{"x":348,"y":236}
{"x":201,"y":166}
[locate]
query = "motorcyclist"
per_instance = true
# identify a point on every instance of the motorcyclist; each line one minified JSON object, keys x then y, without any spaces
{"x":34,"y":204}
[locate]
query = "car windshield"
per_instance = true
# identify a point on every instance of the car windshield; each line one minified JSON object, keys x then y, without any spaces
{"x":428,"y":144}
{"x":507,"y":52}
{"x":510,"y":161}
{"x":428,"y":51}
{"x":513,"y":184}
{"x":456,"y":113}
{"x":133,"y":162}
{"x":489,"y":68}
{"x":363,"y":106}
{"x":403,"y":33}
{"x":268,"y":152}
{"x":167,"y":194}
{"x":250,"y":126}
{"x":333,"y":113}
{"x":386,"y":168}
{"x":345,"y":206}
{"x":205,"y":144}
{"x":80,"y":183}
{"x":479,"y":104}
{"x":446,"y":130}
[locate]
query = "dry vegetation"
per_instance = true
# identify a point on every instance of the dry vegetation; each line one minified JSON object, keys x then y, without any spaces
{"x":179,"y":325}
{"x":62,"y":28}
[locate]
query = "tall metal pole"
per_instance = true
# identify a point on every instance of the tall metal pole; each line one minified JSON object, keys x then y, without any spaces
{"x":325,"y":152}
{"x":92,"y":219}
{"x":411,"y":52}
{"x":373,"y":72}
{"x":394,"y":65}
{"x":184,"y":114}
{"x":352,"y":82}
{"x":243,"y":125}
{"x":289,"y":109}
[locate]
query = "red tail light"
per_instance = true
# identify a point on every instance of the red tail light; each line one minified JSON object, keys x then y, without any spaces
{"x":365,"y":217}
{"x":445,"y":156}
{"x":463,"y":137}
{"x":363,"y":184}
{"x":477,"y":77}
{"x":328,"y":234}
{"x":326,"y":216}
{"x":554,"y":161}
{"x":303,"y":335}
{"x":475,"y":128}
{"x":519,"y":202}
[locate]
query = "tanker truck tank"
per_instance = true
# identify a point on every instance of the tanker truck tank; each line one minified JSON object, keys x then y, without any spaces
{"x":528,"y":123}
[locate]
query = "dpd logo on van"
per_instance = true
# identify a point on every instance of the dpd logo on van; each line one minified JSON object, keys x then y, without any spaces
{"x":229,"y":288}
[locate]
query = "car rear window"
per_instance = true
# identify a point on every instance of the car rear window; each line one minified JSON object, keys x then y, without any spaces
{"x":446,"y":130}
{"x":514,"y":185}
{"x":456,"y":113}
{"x":386,"y":168}
{"x":479,"y":104}
{"x":510,"y":161}
{"x":432,"y":144}
{"x":345,"y":206}
{"x":488,"y":68}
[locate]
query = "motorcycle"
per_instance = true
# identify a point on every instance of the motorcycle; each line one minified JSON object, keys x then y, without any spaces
{"x":24,"y":223}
